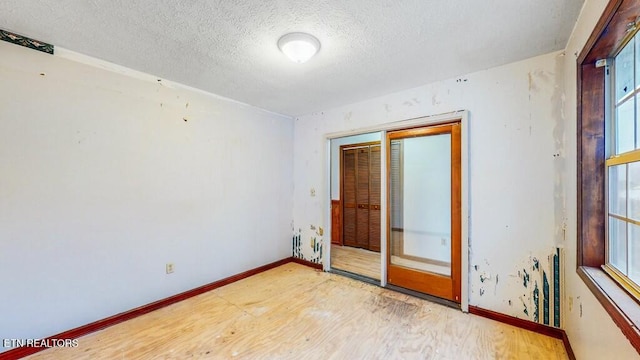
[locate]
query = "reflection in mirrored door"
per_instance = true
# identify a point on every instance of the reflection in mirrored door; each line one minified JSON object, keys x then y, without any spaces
{"x":355,"y":204}
{"x":424,"y":210}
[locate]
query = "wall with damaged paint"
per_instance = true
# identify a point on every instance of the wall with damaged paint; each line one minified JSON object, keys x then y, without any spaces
{"x":105,"y":178}
{"x":592,"y":333}
{"x":512,"y":168}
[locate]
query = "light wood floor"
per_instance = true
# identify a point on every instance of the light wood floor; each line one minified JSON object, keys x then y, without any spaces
{"x":295,"y":312}
{"x":355,"y":260}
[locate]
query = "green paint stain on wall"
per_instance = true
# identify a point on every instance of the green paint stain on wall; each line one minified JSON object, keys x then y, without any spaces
{"x":556,"y":288}
{"x":545,"y":301}
{"x":536,"y":303}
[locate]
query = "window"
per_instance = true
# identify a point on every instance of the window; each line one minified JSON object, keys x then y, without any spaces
{"x":608,"y":162}
{"x":623,"y":170}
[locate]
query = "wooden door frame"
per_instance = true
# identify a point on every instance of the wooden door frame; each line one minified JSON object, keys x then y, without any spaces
{"x":336,"y":233}
{"x":463,"y":117}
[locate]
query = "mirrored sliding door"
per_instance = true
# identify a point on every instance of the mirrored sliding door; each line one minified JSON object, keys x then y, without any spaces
{"x":424,"y":210}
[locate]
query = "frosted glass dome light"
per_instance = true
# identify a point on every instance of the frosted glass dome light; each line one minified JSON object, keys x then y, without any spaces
{"x":299,"y":47}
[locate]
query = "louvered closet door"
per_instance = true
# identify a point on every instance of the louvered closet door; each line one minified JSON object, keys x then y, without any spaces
{"x":374,"y":198}
{"x":362,"y":197}
{"x":349,"y":197}
{"x":361,"y":181}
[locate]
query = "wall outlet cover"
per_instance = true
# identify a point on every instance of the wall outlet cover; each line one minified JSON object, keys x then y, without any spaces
{"x":170,"y":268}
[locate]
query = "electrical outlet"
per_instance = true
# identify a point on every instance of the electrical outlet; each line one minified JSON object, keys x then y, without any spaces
{"x":443,"y":241}
{"x":170,"y":268}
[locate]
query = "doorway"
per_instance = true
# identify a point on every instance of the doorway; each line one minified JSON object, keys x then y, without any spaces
{"x":424,"y":210}
{"x":360,"y":190}
{"x":404,"y":248}
{"x":356,"y":208}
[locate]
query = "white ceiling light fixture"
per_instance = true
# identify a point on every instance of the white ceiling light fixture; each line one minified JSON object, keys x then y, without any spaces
{"x":299,"y":47}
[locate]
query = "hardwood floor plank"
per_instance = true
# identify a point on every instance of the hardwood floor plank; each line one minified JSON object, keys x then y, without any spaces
{"x":293,"y":312}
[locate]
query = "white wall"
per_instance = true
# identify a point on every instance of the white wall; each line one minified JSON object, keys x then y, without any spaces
{"x":592,"y":333}
{"x":513,"y":112}
{"x":103,"y":181}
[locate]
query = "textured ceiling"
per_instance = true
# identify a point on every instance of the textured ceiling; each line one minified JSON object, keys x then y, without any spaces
{"x":369,"y":48}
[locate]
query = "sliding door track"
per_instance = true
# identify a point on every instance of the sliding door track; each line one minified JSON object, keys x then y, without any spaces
{"x":399,"y":289}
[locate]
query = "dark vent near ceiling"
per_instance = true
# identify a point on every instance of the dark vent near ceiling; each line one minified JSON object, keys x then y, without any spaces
{"x":26,"y":42}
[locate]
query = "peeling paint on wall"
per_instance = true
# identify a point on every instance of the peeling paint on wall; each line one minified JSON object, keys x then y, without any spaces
{"x":580,"y":305}
{"x":315,"y":246}
{"x":536,"y":303}
{"x":556,"y":288}
{"x":524,"y":304}
{"x":26,"y":42}
{"x":545,"y":301}
{"x":296,"y":252}
{"x":525,"y":278}
{"x":541,"y":280}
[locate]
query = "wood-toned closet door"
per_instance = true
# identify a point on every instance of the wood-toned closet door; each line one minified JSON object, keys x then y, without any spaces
{"x":362,"y":198}
{"x":374,"y":198}
{"x":349,"y":197}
